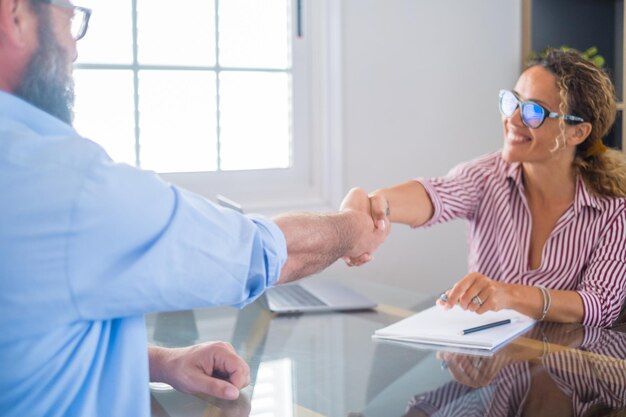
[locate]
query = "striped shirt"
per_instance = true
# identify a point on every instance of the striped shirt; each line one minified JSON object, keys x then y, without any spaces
{"x":586,"y":251}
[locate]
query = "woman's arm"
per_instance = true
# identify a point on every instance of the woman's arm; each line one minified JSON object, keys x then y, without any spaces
{"x":560,"y":306}
{"x":406,"y":203}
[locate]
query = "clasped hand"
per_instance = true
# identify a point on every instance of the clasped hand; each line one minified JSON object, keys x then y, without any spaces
{"x":373,"y":225}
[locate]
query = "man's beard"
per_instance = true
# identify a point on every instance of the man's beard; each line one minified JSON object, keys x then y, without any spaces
{"x":48,"y":83}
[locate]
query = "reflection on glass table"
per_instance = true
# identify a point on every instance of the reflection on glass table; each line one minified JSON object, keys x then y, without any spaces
{"x":556,"y":370}
{"x":328,"y":365}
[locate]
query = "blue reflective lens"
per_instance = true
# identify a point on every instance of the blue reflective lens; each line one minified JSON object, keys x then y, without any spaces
{"x":532,"y":114}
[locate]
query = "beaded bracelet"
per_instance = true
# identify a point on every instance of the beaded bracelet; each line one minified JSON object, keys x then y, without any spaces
{"x":547,"y":301}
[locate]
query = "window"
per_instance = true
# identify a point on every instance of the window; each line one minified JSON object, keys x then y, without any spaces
{"x":219,"y":96}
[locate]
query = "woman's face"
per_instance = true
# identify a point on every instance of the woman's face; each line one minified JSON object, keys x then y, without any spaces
{"x":523,"y":144}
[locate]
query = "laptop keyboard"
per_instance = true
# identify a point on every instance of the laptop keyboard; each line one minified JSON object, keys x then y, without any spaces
{"x":294,"y":296}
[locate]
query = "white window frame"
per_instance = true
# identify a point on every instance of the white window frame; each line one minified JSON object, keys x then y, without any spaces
{"x":315,"y":181}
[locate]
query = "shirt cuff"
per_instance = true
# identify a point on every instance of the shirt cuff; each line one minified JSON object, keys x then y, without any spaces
{"x":435,"y":200}
{"x":592,"y":310}
{"x":275,"y":243}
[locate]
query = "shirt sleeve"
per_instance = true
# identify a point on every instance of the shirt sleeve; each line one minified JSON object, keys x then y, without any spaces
{"x":458,"y":194}
{"x":138,"y":244}
{"x":603,"y":286}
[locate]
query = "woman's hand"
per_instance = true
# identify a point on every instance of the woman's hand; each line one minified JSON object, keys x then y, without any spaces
{"x":473,"y":371}
{"x":479,"y":293}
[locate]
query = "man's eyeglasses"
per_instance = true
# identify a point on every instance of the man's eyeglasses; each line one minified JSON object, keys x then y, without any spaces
{"x":533,"y":115}
{"x":80,"y":17}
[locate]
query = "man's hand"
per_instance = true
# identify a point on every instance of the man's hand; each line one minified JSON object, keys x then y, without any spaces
{"x":374,"y":225}
{"x":211,"y":368}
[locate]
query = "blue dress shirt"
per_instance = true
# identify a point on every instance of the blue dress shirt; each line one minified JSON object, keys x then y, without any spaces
{"x":87,"y":247}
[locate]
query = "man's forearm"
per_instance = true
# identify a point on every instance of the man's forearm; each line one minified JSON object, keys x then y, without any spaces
{"x":315,"y":241}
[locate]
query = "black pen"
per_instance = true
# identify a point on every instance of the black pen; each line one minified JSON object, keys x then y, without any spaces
{"x":488,"y":326}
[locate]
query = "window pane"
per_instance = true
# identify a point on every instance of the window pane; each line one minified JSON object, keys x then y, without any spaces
{"x":180,"y":32}
{"x":109,"y":36}
{"x":105,"y":112}
{"x":177,"y":121}
{"x":255,"y":120}
{"x":254,"y":33}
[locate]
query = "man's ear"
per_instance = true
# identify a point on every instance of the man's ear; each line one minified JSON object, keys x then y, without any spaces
{"x":578,"y":133}
{"x":18,"y":22}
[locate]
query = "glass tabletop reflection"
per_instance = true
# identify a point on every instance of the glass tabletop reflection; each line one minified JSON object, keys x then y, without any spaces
{"x":313,"y":365}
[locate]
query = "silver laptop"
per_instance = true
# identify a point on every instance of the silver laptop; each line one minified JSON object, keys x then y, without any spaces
{"x":314,"y":295}
{"x":309,"y":295}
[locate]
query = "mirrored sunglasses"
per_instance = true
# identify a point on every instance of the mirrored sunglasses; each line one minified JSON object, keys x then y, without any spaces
{"x":533,"y":115}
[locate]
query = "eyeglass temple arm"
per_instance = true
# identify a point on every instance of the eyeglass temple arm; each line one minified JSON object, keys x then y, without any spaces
{"x":554,"y":115}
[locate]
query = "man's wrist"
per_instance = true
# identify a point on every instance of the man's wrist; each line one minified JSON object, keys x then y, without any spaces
{"x":346,"y":225}
{"x":156,"y":359}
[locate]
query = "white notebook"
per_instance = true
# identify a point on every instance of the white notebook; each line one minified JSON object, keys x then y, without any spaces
{"x":437,"y":326}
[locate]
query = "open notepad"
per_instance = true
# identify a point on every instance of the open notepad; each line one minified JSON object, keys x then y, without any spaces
{"x":437,"y":326}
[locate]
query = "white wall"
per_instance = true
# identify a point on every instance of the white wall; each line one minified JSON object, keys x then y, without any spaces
{"x":420,"y":87}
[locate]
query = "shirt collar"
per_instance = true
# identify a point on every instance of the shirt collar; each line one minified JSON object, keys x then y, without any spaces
{"x":17,"y":110}
{"x":582,"y":198}
{"x":514,"y":172}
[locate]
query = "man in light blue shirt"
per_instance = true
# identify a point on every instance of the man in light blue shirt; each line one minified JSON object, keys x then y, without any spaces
{"x":88,"y":246}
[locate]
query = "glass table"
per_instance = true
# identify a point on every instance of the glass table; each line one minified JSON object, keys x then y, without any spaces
{"x":314,"y":365}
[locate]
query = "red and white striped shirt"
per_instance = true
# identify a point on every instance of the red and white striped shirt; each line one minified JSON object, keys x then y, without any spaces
{"x":586,"y":251}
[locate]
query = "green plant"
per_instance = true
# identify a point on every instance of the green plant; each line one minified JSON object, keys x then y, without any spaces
{"x":591,"y":54}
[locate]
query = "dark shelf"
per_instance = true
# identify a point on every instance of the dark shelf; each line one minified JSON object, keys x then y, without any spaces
{"x":581,"y":24}
{"x":614,"y":138}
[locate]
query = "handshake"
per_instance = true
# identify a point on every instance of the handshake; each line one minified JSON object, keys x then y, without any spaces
{"x":355,"y":232}
{"x":371,"y":216}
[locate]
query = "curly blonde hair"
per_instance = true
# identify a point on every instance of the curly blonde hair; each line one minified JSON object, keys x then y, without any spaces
{"x":587,"y":91}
